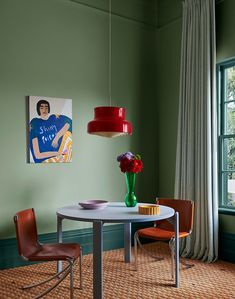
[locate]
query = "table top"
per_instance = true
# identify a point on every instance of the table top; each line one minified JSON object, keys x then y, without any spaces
{"x":115,"y":212}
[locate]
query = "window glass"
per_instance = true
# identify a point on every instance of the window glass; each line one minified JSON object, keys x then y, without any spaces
{"x":228,"y":190}
{"x":229,"y":154}
{"x":230,"y":83}
{"x":229,"y":118}
{"x":226,"y":104}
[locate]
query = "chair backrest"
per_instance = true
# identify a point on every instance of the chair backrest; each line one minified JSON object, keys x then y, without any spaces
{"x":185,"y":208}
{"x":26,"y":232}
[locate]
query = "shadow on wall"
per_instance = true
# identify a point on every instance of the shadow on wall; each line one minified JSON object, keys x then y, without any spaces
{"x":147,"y":115}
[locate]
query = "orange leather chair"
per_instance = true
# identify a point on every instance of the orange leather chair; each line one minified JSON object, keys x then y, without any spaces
{"x":31,"y":250}
{"x":163,"y":230}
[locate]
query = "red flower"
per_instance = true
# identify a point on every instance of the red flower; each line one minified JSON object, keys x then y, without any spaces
{"x":125,"y":165}
{"x":137,"y":166}
{"x":134,"y":164}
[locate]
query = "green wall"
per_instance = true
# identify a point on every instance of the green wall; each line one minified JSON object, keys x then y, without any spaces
{"x":168,"y":72}
{"x":59,"y":48}
{"x":225,"y":23}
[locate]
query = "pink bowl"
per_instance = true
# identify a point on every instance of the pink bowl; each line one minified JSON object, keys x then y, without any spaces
{"x":94,"y":204}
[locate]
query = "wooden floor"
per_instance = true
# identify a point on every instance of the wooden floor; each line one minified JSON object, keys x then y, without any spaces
{"x":121,"y":281}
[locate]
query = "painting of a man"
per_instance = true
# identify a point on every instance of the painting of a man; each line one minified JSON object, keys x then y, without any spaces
{"x":50,"y":131}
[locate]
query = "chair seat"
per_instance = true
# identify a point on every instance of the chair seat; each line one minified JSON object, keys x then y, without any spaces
{"x":159,"y":234}
{"x":52,"y":252}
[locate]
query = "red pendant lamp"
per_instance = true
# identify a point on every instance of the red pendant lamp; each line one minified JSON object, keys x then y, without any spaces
{"x":109,"y":121}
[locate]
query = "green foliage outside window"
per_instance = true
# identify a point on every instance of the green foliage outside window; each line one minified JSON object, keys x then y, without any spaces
{"x":230,"y":119}
{"x":226,"y":72}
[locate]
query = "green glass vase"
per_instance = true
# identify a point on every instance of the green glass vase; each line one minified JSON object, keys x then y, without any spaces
{"x":130,"y":198}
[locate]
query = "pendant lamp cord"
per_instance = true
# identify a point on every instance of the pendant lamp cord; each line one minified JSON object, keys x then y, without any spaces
{"x":110,"y":51}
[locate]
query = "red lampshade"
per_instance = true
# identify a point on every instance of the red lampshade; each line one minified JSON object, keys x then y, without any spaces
{"x":109,"y":122}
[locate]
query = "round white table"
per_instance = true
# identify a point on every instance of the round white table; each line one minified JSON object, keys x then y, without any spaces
{"x":115,"y":212}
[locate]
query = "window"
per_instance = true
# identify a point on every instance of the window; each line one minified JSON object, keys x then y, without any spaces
{"x":226,"y":96}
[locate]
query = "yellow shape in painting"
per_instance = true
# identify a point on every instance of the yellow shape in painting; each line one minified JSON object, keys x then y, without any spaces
{"x":65,"y":150}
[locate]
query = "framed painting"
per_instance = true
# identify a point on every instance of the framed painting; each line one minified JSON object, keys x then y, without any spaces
{"x":50,"y":130}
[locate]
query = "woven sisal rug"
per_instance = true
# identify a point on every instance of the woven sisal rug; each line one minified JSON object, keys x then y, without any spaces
{"x":121,"y":281}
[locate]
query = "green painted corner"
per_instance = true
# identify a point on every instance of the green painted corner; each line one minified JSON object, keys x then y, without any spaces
{"x":133,"y":10}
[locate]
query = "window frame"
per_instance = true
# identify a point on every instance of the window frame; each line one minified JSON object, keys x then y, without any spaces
{"x":222,"y":136}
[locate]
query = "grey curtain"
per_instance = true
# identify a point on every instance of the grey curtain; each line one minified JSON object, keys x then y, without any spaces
{"x":196,"y":160}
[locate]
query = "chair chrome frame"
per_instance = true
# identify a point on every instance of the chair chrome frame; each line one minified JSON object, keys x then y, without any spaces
{"x":171,"y":246}
{"x":61,"y":275}
{"x":136,"y":243}
{"x":67,"y":270}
